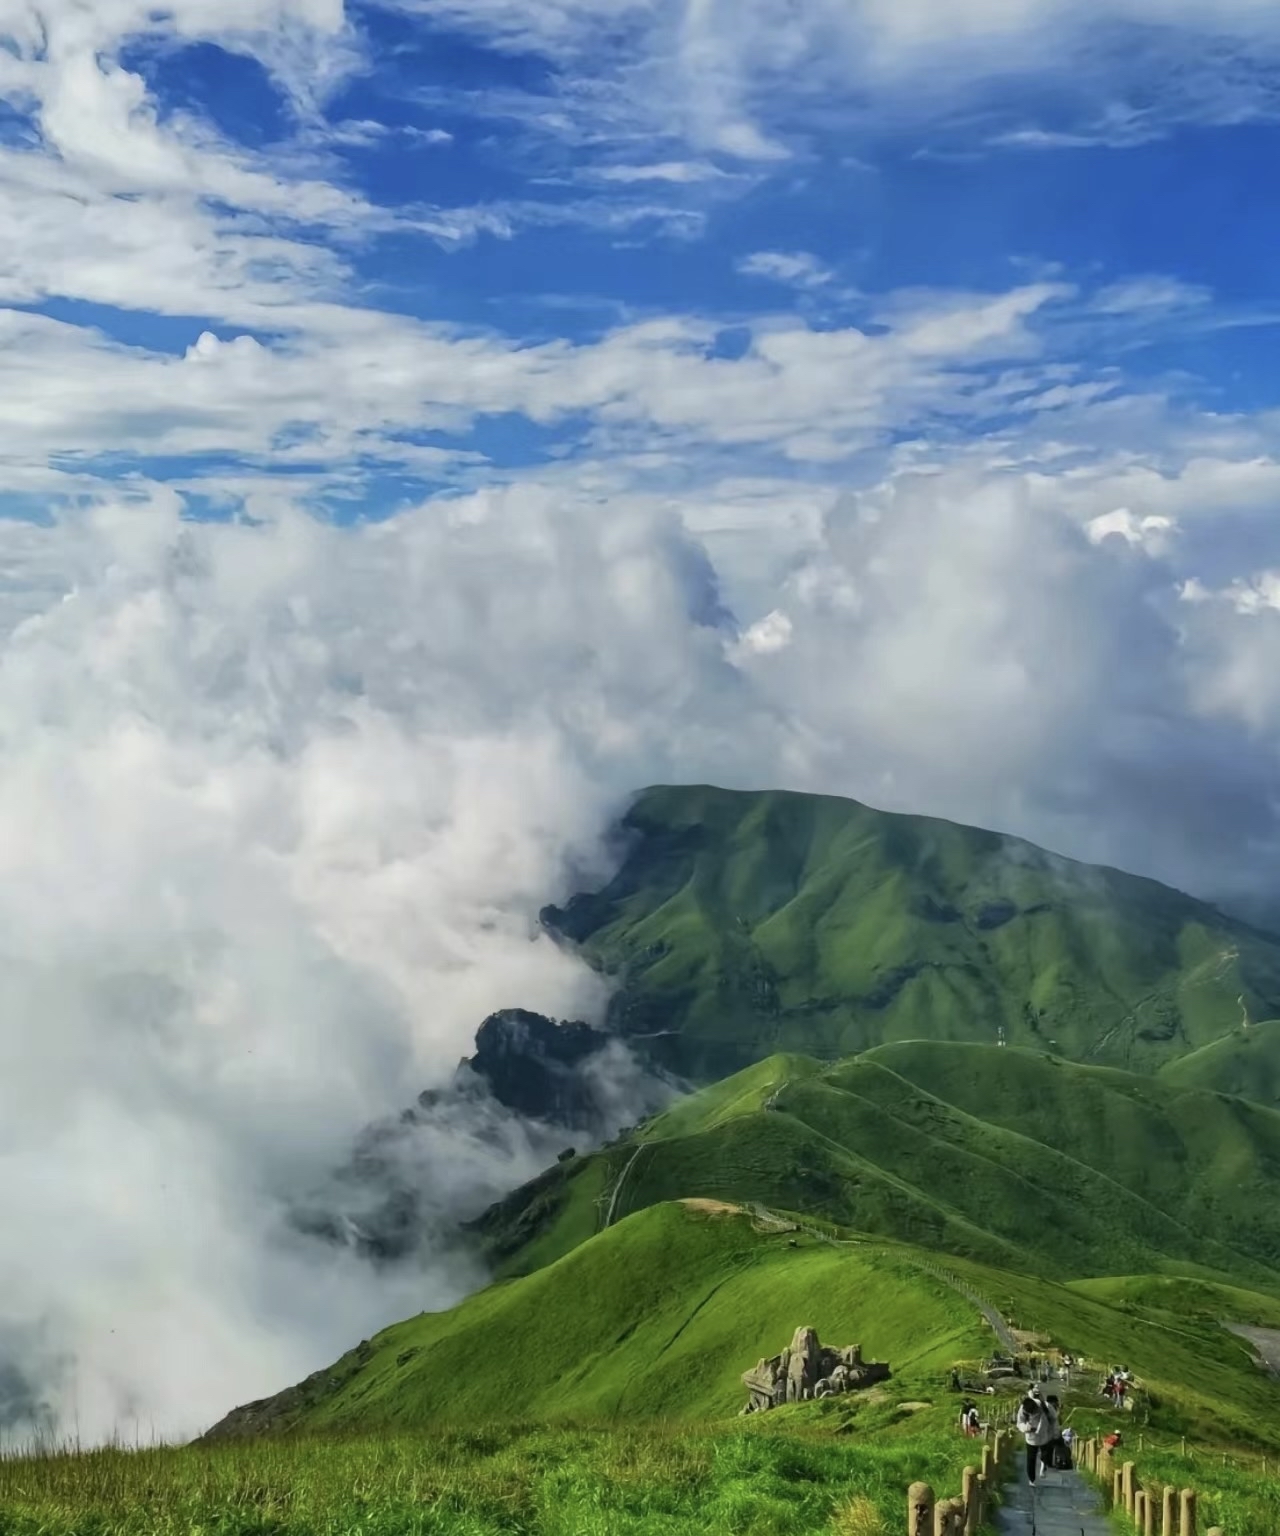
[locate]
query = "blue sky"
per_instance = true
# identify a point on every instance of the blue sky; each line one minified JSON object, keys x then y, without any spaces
{"x":558,"y":172}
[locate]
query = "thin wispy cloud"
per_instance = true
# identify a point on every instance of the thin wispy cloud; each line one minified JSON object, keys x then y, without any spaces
{"x":797,"y":269}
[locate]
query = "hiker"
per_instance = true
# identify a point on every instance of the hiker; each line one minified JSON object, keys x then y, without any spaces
{"x":955,"y":1380}
{"x":1038,"y":1425}
{"x":1111,"y":1442}
{"x":972,"y":1426}
{"x":1060,"y":1450}
{"x":1122,"y":1386}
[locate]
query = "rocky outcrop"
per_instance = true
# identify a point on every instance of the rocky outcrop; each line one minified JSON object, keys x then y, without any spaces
{"x":414,"y":1181}
{"x":533,"y":1064}
{"x":809,"y":1369}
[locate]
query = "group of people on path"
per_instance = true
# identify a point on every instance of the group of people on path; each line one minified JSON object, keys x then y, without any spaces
{"x":1116,"y":1386}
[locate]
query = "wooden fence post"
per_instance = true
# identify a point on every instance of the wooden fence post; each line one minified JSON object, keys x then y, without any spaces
{"x":984,"y":1499}
{"x":1166,"y":1525}
{"x":1117,"y":1489}
{"x":1187,"y":1517}
{"x":920,"y":1510}
{"x":948,"y":1518}
{"x":1149,"y":1513}
{"x":1128,"y":1487}
{"x":988,"y":1463}
{"x":969,"y":1499}
{"x":1139,"y":1506}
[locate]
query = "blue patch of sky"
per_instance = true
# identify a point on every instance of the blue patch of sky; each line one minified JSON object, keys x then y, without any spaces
{"x":231,"y":90}
{"x":133,"y":328}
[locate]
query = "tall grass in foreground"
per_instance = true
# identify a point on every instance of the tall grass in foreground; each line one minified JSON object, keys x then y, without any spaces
{"x":513,"y":1481}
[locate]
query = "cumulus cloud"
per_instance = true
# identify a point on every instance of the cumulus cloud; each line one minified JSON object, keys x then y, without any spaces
{"x":290,"y":799}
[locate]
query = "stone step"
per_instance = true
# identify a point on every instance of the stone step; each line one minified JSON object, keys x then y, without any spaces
{"x":1062,"y":1504}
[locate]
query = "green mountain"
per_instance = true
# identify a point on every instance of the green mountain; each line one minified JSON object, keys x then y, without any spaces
{"x":1011,"y":1156}
{"x":658,"y":1316}
{"x":837,"y":979}
{"x":1245,"y":1062}
{"x":744,"y":924}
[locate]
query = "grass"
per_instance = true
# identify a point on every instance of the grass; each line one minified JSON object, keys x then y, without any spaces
{"x":1011,"y":1156}
{"x":1181,"y":1299}
{"x":1246,"y":1062}
{"x":744,"y":924}
{"x":508,"y":1480}
{"x":656,"y":1318}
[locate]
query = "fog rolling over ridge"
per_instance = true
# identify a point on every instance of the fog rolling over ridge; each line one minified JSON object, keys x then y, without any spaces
{"x":279,"y":804}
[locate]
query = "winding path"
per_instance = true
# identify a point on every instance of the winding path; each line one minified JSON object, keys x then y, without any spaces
{"x":1002,"y":1330}
{"x":622,"y":1179}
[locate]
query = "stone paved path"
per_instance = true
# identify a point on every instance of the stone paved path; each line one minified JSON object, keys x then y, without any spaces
{"x":1063,"y":1504}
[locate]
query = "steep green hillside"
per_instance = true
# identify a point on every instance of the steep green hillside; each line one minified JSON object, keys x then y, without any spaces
{"x":1246,"y":1062}
{"x":743,"y":924}
{"x":658,"y":1316}
{"x":1005,"y":1155}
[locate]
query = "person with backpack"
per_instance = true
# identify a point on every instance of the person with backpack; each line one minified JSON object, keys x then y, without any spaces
{"x":1060,"y":1450}
{"x":1038,"y":1425}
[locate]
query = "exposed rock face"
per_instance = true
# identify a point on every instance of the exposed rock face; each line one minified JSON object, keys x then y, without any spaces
{"x":530,"y":1064}
{"x":808,"y":1369}
{"x":413,"y":1179}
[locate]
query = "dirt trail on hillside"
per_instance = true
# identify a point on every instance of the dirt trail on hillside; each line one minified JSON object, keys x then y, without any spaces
{"x":1266,"y":1341}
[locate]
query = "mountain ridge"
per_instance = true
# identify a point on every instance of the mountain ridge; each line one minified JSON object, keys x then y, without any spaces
{"x":739,"y":923}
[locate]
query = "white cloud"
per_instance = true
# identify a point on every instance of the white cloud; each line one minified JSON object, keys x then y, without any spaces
{"x":1141,"y":295}
{"x":679,"y":172}
{"x":800,"y":269}
{"x":738,"y":75}
{"x":766,"y":636}
{"x":354,"y":381}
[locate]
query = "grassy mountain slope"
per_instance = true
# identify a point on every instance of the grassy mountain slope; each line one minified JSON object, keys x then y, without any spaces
{"x":1179,"y":1297}
{"x":1245,"y":1062}
{"x":743,"y":924}
{"x":658,"y":1316}
{"x":1009,"y":1156}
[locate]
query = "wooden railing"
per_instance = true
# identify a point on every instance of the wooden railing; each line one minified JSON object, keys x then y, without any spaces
{"x":1155,"y":1511}
{"x":965,"y":1514}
